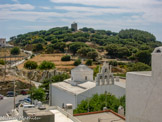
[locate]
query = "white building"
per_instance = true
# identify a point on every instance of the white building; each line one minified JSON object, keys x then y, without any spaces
{"x":81,"y":86}
{"x":2,"y":42}
{"x":144,"y":92}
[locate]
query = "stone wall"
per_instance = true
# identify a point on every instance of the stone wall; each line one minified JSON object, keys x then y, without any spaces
{"x":37,"y":75}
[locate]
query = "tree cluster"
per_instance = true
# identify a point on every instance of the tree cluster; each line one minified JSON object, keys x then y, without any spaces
{"x":98,"y":102}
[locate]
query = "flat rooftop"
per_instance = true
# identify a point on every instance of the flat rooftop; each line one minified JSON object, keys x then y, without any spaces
{"x":82,"y":87}
{"x":104,"y":116}
{"x":60,"y":117}
{"x":145,"y":73}
{"x":79,"y":88}
{"x":121,"y":83}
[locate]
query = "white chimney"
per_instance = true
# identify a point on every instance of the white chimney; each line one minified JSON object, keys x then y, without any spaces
{"x":69,"y":108}
{"x":39,"y":104}
{"x":104,"y":108}
{"x":157,"y":63}
{"x":121,"y":110}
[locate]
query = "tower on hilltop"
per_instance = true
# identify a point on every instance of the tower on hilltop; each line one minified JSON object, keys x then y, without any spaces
{"x":74,"y":26}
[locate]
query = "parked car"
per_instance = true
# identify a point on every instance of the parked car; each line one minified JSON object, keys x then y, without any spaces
{"x":21,"y":101}
{"x":11,"y":94}
{"x":1,"y":97}
{"x":28,"y":100}
{"x":23,"y":92}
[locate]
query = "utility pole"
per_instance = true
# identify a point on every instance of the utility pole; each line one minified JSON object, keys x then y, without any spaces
{"x":30,"y":90}
{"x":5,"y":60}
{"x":14,"y":95}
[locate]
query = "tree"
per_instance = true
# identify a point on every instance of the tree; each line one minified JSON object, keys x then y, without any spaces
{"x":30,"y":65}
{"x":38,"y":94}
{"x":46,"y":65}
{"x":89,"y":62}
{"x":77,"y":62}
{"x":59,"y":46}
{"x":38,"y":47}
{"x":138,"y":67}
{"x":113,"y":63}
{"x":144,"y":57}
{"x":66,"y":58}
{"x":97,"y":102}
{"x":92,"y":55}
{"x":38,"y":40}
{"x":84,"y":51}
{"x":75,"y":46}
{"x":123,"y":52}
{"x":96,"y":70}
{"x":112,"y":49}
{"x":15,"y":51}
{"x":49,"y":49}
{"x":54,"y":79}
{"x":137,"y":35}
{"x":2,"y":62}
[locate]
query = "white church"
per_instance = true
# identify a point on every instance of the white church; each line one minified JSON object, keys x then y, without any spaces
{"x":81,"y":86}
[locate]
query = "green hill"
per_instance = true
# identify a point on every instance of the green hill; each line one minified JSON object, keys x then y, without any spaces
{"x":127,"y":44}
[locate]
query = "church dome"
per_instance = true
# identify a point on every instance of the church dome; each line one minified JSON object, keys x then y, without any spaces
{"x":82,"y":73}
{"x":82,"y":67}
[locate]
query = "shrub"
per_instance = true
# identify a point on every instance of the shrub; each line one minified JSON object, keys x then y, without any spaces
{"x":30,"y":65}
{"x":138,"y":67}
{"x":32,"y":56}
{"x":15,"y":51}
{"x":77,"y":62}
{"x":113,"y":63}
{"x":65,"y":58}
{"x":2,"y":62}
{"x":38,"y":47}
{"x":89,"y":62}
{"x":45,"y":65}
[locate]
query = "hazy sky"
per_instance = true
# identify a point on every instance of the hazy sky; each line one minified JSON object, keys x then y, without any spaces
{"x":21,"y":16}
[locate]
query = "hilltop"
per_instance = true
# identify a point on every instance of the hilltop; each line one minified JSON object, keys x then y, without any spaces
{"x":130,"y":45}
{"x":124,"y":44}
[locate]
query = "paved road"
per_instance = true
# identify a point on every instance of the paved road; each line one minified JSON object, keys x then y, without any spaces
{"x":7,"y":104}
{"x":20,"y":62}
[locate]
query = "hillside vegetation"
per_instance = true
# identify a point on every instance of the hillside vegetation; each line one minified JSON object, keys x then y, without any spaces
{"x":130,"y":44}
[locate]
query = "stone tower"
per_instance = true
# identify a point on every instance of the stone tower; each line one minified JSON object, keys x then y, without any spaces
{"x":74,"y":26}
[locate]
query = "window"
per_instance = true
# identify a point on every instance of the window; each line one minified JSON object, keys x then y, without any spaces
{"x":85,"y":77}
{"x":105,"y":70}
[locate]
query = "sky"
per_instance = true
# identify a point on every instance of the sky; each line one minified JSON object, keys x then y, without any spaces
{"x":22,"y":16}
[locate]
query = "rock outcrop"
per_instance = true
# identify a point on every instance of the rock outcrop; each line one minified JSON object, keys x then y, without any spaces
{"x":37,"y":75}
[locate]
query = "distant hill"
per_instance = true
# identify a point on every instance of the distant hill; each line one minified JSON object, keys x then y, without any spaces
{"x":127,"y":42}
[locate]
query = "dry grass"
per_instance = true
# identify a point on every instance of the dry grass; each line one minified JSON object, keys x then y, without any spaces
{"x":6,"y":52}
{"x":56,"y":59}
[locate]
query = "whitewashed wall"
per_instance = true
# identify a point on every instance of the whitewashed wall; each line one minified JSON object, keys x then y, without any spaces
{"x":143,"y":99}
{"x":144,"y":93}
{"x":60,"y":96}
{"x":80,"y":75}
